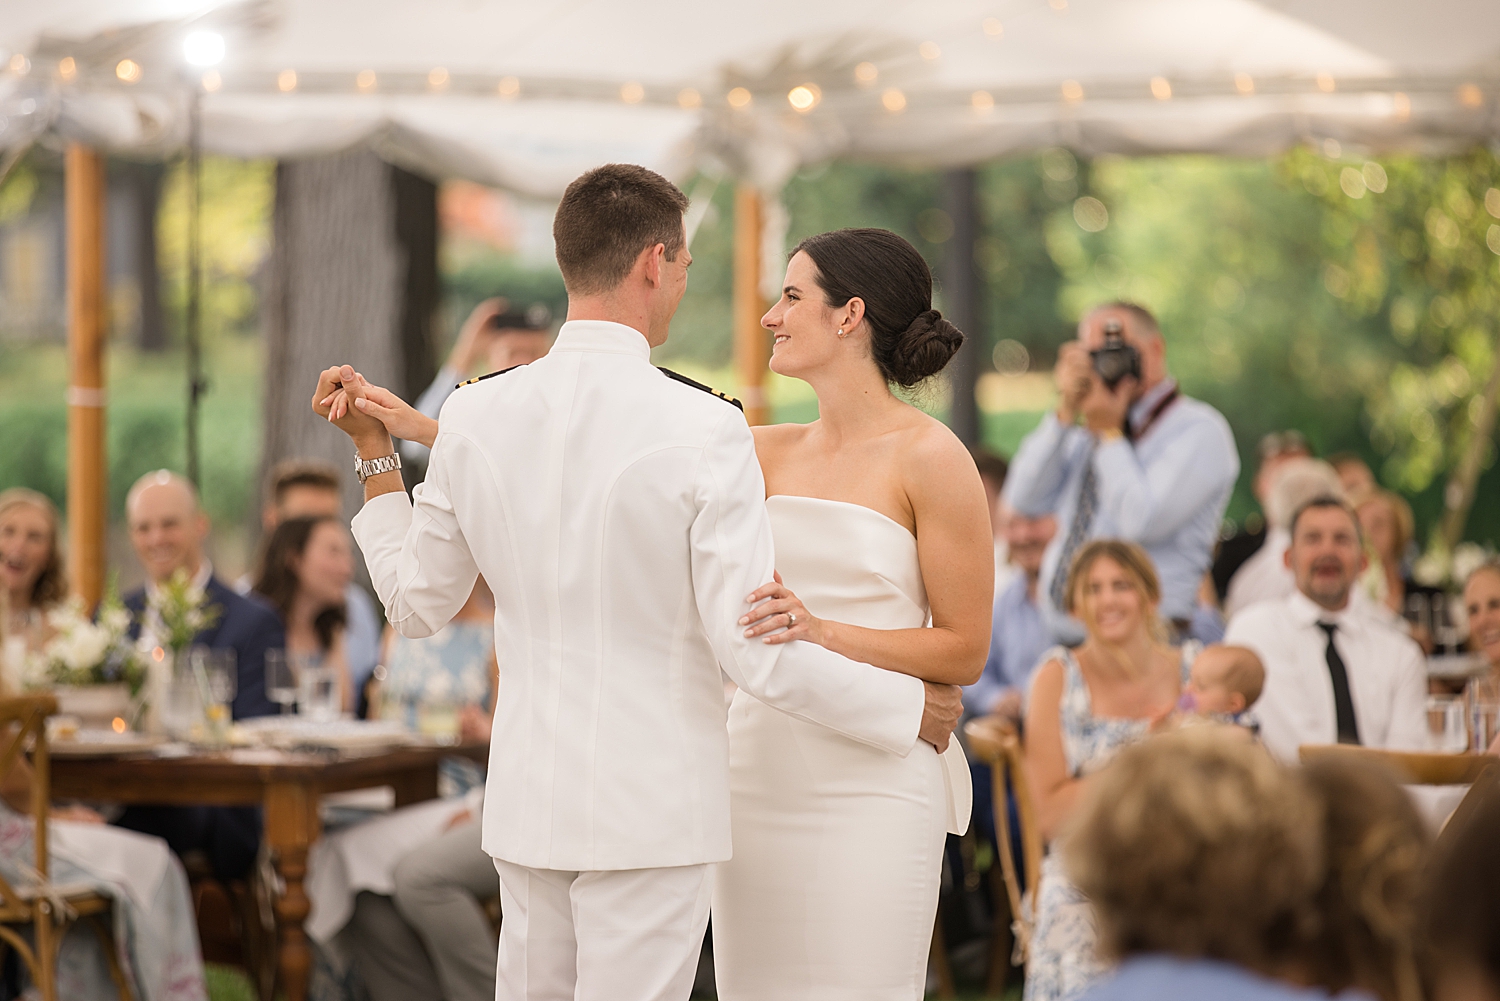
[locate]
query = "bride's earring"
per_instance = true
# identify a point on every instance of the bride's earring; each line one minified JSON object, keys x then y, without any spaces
{"x":841,"y":331}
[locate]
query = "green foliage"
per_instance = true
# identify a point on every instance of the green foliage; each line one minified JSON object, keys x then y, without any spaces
{"x":482,"y":276}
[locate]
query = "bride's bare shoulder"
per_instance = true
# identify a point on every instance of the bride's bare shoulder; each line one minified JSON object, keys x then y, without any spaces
{"x":930,"y":449}
{"x":771,"y":437}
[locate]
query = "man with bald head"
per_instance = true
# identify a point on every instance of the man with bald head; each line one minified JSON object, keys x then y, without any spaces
{"x":168,"y":530}
{"x":1125,"y":456}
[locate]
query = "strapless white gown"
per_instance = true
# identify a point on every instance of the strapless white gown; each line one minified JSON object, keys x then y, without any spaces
{"x":833,"y":887}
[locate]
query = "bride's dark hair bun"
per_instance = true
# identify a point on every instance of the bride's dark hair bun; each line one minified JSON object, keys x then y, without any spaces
{"x":909,"y":340}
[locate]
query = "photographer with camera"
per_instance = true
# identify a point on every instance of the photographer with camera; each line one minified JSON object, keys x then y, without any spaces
{"x":1125,"y":456}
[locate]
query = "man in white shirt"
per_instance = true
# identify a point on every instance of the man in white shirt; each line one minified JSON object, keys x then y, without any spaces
{"x":618,"y":515}
{"x":1334,"y":672}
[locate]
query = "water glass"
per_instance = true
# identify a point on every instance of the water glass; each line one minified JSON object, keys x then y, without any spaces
{"x":318,"y":693}
{"x":1484,"y":724}
{"x":281,"y":679}
{"x":1447,"y":731}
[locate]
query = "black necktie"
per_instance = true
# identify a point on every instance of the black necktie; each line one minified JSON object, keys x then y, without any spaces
{"x":1078,"y":532}
{"x":1343,"y":705}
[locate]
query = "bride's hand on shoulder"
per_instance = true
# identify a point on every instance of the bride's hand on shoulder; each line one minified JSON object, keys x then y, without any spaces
{"x":773,"y":607}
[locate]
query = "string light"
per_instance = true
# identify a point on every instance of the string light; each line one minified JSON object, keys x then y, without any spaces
{"x":993,"y":27}
{"x":804,"y":97}
{"x":894,"y":100}
{"x":1470,"y":96}
{"x":509,"y":88}
{"x":1072,"y":91}
{"x":286,"y":81}
{"x":865,"y":74}
{"x":128,"y":70}
{"x":1400,"y":106}
{"x":632,"y":93}
{"x":1325,"y":82}
{"x":1244,"y":83}
{"x":1161,"y":88}
{"x":688,"y":98}
{"x":982,"y":101}
{"x":212,"y":81}
{"x":19,"y":64}
{"x":365,"y":81}
{"x":1061,"y":6}
{"x":203,"y":48}
{"x":437,"y":79}
{"x":739,"y":97}
{"x":930,"y":51}
{"x":67,"y":68}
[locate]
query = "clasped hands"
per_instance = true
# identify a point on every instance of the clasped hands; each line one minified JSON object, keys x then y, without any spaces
{"x":1082,"y":393}
{"x":366,"y":412}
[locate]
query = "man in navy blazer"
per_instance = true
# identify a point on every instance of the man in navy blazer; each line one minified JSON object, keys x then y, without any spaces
{"x":168,"y":529}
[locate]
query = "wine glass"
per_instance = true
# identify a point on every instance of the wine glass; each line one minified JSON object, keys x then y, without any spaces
{"x":281,"y":679}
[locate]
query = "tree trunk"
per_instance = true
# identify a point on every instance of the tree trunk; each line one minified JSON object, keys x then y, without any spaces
{"x":145,"y":182}
{"x":960,"y":277}
{"x":352,"y":279}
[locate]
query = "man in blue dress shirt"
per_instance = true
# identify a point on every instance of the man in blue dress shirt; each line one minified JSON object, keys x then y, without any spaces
{"x":1018,"y":636}
{"x":1139,"y":461}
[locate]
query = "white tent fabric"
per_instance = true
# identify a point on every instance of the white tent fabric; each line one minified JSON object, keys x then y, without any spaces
{"x":525,"y":95}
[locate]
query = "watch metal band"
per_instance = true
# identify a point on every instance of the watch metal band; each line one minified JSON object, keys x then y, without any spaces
{"x":366,"y":468}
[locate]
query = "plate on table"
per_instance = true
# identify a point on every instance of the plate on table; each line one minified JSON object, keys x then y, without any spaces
{"x":1456,"y":665}
{"x":341,"y":735}
{"x":89,"y":743}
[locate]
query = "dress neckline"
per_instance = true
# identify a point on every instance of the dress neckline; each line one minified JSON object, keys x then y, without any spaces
{"x":824,"y":500}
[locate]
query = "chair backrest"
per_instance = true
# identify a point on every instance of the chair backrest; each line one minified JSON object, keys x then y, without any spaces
{"x":1412,"y":767}
{"x":23,"y":725}
{"x":996,"y":742}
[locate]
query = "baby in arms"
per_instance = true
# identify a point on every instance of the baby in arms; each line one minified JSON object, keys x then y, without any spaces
{"x":1225,"y":681}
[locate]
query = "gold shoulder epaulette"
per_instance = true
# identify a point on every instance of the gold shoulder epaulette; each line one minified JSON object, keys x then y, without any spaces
{"x":481,"y":378}
{"x":698,"y":385}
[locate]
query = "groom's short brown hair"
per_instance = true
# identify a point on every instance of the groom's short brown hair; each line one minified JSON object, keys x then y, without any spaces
{"x":607,"y":217}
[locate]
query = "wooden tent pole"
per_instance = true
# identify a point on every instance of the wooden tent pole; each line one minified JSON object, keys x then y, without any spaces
{"x":752,"y":342}
{"x":1459,"y":496}
{"x":88,"y":483}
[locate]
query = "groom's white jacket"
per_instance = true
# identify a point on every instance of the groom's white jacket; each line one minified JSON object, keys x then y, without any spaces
{"x":618,"y":515}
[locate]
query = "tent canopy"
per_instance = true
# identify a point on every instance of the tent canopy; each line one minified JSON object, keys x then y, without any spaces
{"x":525,"y":95}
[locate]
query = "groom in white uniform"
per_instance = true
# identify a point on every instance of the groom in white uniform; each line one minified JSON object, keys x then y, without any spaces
{"x":618,"y":515}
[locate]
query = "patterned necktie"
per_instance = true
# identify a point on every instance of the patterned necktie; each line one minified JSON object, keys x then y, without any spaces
{"x":1078,"y":532}
{"x":1343,"y":704}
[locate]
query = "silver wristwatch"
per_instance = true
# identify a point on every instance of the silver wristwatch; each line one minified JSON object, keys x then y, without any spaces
{"x":366,"y":468}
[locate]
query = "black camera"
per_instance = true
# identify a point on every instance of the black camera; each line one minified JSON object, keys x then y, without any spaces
{"x":1116,"y":359}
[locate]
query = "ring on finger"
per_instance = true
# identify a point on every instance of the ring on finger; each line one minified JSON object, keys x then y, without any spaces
{"x":791,"y":619}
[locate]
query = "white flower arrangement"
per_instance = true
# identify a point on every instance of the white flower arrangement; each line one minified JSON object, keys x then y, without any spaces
{"x":85,"y":652}
{"x":1437,"y":568}
{"x":183,"y":609}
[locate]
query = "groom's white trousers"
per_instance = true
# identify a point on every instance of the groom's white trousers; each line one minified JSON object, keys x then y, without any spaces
{"x":617,"y":935}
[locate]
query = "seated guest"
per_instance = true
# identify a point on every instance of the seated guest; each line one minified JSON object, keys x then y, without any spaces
{"x":305,"y":572}
{"x":1018,"y":636}
{"x":495,"y":336}
{"x":412,"y":918}
{"x":1334,"y":672}
{"x":1375,"y":847}
{"x":1388,"y":526}
{"x":1132,"y":458}
{"x":155,"y":928}
{"x":167,"y":531}
{"x":302,"y":488}
{"x":1202,"y":860}
{"x":1085,"y":705}
{"x":1355,"y":477}
{"x":1274,"y":451}
{"x":1225,"y":681}
{"x":1265,"y":576}
{"x":32,"y":581}
{"x":992,"y":470}
{"x":1482,"y":604}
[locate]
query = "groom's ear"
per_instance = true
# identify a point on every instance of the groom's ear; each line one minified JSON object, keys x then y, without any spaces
{"x":652,"y":259}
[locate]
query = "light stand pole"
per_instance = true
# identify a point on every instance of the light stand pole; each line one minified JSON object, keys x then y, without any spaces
{"x":193,"y":331}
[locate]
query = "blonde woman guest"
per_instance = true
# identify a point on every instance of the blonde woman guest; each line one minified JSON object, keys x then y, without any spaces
{"x":160,"y":940}
{"x":1482,"y":603}
{"x":32,"y":581}
{"x":1085,"y":705}
{"x":1386,"y":521}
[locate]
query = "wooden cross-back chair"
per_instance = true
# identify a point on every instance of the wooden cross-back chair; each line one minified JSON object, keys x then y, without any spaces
{"x":47,"y":909}
{"x":996,"y":742}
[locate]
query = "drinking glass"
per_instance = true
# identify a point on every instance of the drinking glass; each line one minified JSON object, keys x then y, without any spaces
{"x":1484,"y":724}
{"x":215,"y":674}
{"x":1447,"y":731}
{"x":317,"y":692}
{"x":281,"y":679}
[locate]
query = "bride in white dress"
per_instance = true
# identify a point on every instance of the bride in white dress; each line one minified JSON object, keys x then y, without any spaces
{"x":880,"y":523}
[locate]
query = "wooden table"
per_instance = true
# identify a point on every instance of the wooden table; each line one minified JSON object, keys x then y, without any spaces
{"x":285,"y":784}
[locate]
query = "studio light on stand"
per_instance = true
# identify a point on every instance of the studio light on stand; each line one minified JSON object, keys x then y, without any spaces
{"x":203,"y":50}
